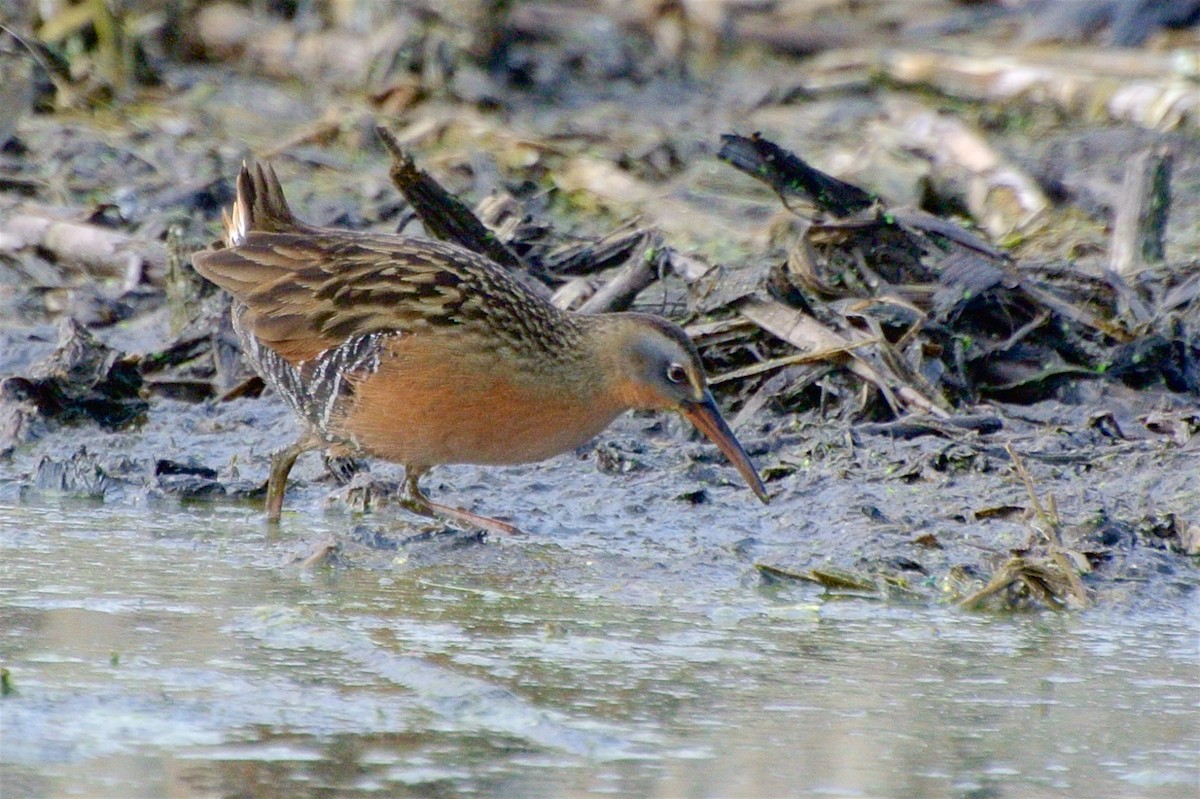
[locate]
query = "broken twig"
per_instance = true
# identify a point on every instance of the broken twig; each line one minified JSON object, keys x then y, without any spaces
{"x":443,"y":214}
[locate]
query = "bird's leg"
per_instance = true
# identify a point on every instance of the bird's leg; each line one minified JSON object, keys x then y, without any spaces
{"x":418,"y":503}
{"x":281,"y":465}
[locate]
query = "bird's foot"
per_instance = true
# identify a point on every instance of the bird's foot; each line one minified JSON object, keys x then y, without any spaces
{"x":419,"y":504}
{"x":416,"y":501}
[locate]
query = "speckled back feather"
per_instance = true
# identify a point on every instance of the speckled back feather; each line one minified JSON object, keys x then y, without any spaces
{"x":307,"y":290}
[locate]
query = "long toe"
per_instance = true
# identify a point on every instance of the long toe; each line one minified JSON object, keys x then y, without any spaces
{"x":472,"y":519}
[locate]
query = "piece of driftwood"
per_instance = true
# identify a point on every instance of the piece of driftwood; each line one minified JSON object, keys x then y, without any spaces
{"x":543,"y":248}
{"x":444,"y":215}
{"x":1140,"y":221}
{"x":791,"y":177}
{"x":916,"y":219}
{"x":619,"y":292}
{"x":593,"y":256}
{"x":99,"y":250}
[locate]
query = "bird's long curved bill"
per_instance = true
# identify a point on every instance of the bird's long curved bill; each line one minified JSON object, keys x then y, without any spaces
{"x":708,"y":419}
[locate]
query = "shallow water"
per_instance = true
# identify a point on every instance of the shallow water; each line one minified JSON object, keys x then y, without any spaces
{"x":179,"y":651}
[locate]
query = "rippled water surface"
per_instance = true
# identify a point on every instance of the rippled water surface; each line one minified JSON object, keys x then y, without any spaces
{"x":184,"y":653}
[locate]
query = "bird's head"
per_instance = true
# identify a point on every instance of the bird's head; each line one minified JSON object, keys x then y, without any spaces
{"x":653,"y":365}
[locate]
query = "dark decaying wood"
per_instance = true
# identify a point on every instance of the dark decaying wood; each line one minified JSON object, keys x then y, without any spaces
{"x":790,"y":176}
{"x":444,"y":215}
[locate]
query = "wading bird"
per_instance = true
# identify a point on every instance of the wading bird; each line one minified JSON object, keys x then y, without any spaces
{"x":425,"y":353}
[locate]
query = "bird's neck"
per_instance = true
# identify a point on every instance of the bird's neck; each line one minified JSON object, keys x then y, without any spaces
{"x":603,"y":346}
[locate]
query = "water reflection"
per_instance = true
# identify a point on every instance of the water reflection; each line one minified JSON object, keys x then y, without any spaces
{"x":178,"y":653}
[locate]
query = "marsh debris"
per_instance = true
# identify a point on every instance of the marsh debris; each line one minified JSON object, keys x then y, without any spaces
{"x":1045,"y":571}
{"x":82,"y":381}
{"x":80,"y":475}
{"x":934,"y":318}
{"x":533,"y":253}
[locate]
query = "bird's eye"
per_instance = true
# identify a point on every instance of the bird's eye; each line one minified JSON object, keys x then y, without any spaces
{"x":676,"y":373}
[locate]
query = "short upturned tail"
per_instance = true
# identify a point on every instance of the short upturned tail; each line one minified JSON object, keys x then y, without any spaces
{"x":259,"y":208}
{"x":260,"y":205}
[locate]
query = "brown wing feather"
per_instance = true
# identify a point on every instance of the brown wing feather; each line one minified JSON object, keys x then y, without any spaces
{"x":307,"y":292}
{"x":308,"y":289}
